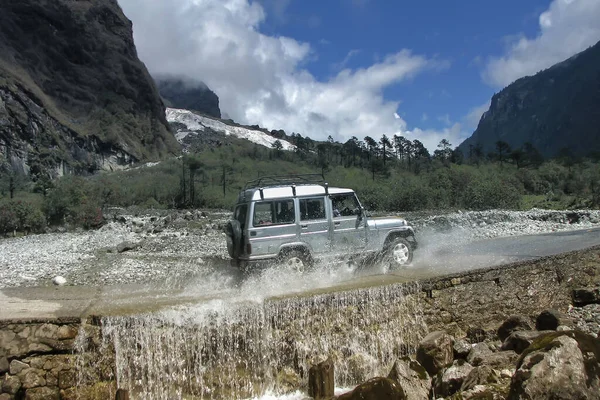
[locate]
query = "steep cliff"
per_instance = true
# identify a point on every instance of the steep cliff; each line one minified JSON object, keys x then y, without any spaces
{"x":189,"y":95}
{"x":554,"y":109}
{"x":73,"y":93}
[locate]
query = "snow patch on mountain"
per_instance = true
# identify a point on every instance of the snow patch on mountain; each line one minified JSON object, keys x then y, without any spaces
{"x":197,"y":123}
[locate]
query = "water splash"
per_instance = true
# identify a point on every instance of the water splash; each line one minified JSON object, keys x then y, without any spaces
{"x":246,"y":349}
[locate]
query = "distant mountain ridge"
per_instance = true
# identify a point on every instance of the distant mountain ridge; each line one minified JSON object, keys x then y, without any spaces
{"x":189,"y":95}
{"x":555,"y":109}
{"x":74,"y":96}
{"x":191,"y":123}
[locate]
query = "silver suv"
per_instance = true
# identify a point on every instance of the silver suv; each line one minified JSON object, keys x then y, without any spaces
{"x":294,"y":221}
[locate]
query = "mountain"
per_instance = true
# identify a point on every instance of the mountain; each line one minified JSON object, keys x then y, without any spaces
{"x":74,"y":96}
{"x":189,"y":95}
{"x":555,"y":109}
{"x":189,"y":124}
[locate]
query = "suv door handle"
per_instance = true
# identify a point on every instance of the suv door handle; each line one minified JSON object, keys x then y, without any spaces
{"x":304,"y":226}
{"x":336,"y":223}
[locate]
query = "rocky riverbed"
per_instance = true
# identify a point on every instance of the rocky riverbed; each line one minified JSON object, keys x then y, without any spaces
{"x":172,"y":247}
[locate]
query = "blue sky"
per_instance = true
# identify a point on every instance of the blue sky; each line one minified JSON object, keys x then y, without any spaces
{"x":426,"y":70}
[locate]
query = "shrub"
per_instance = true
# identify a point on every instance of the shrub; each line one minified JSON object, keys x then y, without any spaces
{"x":24,"y":216}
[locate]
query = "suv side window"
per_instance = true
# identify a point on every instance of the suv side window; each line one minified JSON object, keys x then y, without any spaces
{"x":311,"y":209}
{"x":274,"y":212}
{"x":344,"y":205}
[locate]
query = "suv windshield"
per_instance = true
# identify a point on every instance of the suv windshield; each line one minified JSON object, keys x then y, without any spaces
{"x":344,"y":205}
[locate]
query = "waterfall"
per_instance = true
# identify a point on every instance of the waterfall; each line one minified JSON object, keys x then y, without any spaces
{"x":235,"y":350}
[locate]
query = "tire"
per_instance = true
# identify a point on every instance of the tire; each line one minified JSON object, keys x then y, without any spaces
{"x":399,"y":253}
{"x":233,"y":231}
{"x":295,"y":260}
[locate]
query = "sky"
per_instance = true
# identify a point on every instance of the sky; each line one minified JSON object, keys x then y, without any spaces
{"x":425,"y":70}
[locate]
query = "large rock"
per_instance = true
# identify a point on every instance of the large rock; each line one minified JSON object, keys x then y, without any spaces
{"x":512,"y":324}
{"x":11,"y":384}
{"x":461,"y":348}
{"x":451,"y":379}
{"x":435,"y":351}
{"x":478,"y":353}
{"x":584,"y":296}
{"x":559,"y":365}
{"x":550,"y":320}
{"x":412,"y":377}
{"x":376,"y":389}
{"x":482,"y":375}
{"x":520,"y":340}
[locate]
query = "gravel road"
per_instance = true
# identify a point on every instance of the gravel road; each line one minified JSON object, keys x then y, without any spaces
{"x":172,"y":247}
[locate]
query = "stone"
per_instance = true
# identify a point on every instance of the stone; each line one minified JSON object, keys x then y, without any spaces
{"x":478,"y":353}
{"x":461,"y":348}
{"x":412,"y":377}
{"x":47,"y":331}
{"x":32,"y":378}
{"x":481,"y":375}
{"x":476,"y":335}
{"x":559,"y":365}
{"x":5,"y":396}
{"x":42,"y":393}
{"x":359,"y":367}
{"x":376,"y":389}
{"x":512,"y":324}
{"x":59,"y":281}
{"x":520,"y":340}
{"x":550,"y":320}
{"x":4,"y":365}
{"x":435,"y":351}
{"x":584,"y":296}
{"x":127,"y":246}
{"x":122,"y":394}
{"x":67,"y":379}
{"x":501,"y":359}
{"x":451,"y":379}
{"x":321,"y":381}
{"x":17,"y":366}
{"x":11,"y":384}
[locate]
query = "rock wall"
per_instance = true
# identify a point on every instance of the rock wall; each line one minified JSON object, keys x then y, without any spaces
{"x":270,"y":346}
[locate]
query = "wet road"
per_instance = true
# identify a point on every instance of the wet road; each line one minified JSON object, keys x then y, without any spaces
{"x":438,"y":255}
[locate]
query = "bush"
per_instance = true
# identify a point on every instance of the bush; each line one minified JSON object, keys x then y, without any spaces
{"x":23,"y":216}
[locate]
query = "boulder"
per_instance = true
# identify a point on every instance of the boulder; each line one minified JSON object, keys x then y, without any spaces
{"x":4,"y":366}
{"x":321,"y":380}
{"x":550,"y":320}
{"x":512,"y":324}
{"x":461,"y":348}
{"x":376,"y":389}
{"x":17,"y":366}
{"x":478,"y":353}
{"x":435,"y":351}
{"x":127,"y":246}
{"x":584,"y":296}
{"x":42,"y":393}
{"x":558,"y":365}
{"x":11,"y":384}
{"x":412,"y":377}
{"x":520,"y":340}
{"x":449,"y":381}
{"x":501,"y":359}
{"x":482,"y":375}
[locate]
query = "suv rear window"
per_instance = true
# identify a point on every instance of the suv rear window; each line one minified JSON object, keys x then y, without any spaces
{"x":274,"y":212}
{"x":312,"y":209}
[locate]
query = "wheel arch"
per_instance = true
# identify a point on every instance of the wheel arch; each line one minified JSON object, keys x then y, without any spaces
{"x":393,"y":235}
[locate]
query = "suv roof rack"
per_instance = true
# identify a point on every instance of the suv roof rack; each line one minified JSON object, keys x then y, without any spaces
{"x":282,"y":180}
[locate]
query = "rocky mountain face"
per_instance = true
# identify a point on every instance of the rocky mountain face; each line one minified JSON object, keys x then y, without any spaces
{"x":555,"y":109}
{"x":189,"y":95}
{"x":73,"y":94}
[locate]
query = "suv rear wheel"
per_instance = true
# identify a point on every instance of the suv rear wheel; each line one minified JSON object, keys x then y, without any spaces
{"x":399,"y":253}
{"x":295,"y":260}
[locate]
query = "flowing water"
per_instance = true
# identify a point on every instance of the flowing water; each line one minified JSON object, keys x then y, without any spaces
{"x":245,"y":347}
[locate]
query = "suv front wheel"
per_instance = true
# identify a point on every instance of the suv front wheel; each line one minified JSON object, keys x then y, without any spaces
{"x":399,"y":253}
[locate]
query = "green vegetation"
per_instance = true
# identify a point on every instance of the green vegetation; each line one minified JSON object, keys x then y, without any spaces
{"x":404,"y":177}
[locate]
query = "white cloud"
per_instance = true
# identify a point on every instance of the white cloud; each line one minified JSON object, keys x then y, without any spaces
{"x":263,"y":79}
{"x":566,"y":28}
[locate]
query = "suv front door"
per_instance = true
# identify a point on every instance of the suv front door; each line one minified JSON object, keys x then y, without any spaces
{"x":348,"y":235}
{"x":314,"y":226}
